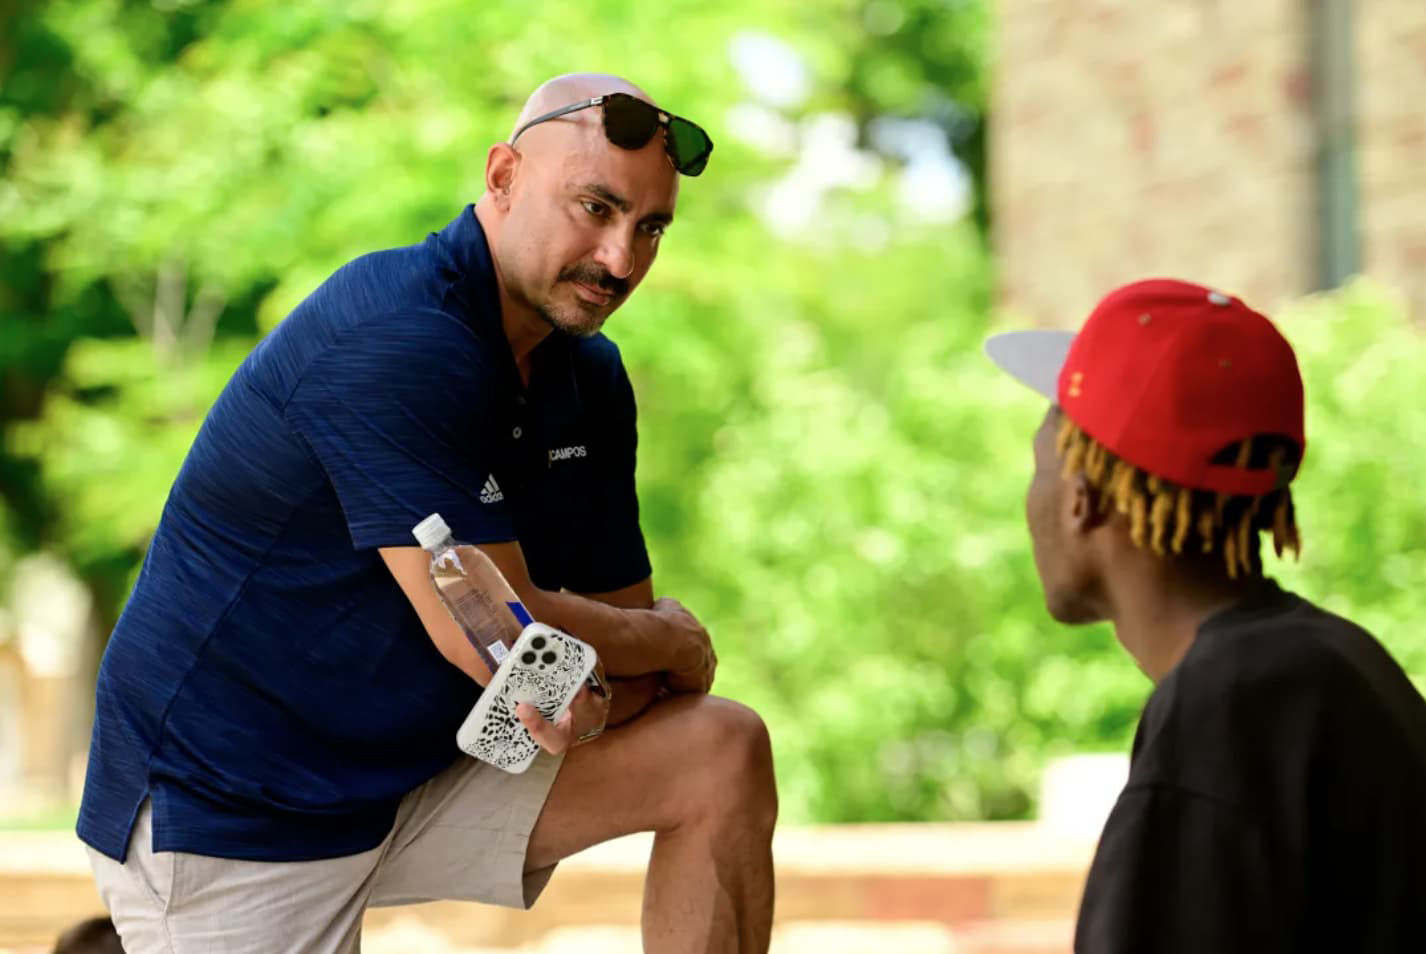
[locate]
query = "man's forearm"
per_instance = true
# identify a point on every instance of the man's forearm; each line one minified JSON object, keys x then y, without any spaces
{"x":630,"y":642}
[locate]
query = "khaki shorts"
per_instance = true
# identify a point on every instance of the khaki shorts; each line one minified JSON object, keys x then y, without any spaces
{"x":462,"y":837}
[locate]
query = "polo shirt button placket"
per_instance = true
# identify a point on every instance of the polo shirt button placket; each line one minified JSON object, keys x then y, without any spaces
{"x":520,"y":403}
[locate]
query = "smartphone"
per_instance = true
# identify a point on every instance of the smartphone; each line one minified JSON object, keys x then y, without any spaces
{"x":546,"y":668}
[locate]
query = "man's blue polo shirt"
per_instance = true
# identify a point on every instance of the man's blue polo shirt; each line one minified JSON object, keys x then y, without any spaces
{"x":268,"y":684}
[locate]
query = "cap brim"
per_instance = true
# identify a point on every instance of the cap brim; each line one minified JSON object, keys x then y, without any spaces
{"x":1034,"y":358}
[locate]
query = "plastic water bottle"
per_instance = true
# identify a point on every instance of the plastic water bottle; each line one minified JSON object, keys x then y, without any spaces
{"x":474,"y":592}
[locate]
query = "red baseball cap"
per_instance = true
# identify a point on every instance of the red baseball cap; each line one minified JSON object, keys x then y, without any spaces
{"x":1166,"y":374}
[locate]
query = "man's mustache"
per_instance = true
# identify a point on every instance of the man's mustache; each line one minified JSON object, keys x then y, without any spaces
{"x":596,"y":277}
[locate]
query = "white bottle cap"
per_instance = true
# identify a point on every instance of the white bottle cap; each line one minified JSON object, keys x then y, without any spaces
{"x":431,"y":532}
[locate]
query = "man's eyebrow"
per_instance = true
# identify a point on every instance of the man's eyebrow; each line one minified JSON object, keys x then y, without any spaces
{"x":605,"y":194}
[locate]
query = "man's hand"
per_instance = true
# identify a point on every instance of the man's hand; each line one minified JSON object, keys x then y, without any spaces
{"x":695,"y":660}
{"x":584,"y":721}
{"x":633,"y":696}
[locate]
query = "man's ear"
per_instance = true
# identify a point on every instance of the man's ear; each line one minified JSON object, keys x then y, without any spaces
{"x":1084,"y":507}
{"x":500,"y":165}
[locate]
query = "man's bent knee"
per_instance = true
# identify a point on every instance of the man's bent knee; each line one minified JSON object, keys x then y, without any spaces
{"x":733,"y":754}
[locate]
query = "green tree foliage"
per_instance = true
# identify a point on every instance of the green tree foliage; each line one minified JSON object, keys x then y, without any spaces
{"x":1364,"y":530}
{"x":831,"y":474}
{"x":185,"y":171}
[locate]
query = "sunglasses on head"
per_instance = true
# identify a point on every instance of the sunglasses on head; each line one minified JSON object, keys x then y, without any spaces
{"x":630,"y":123}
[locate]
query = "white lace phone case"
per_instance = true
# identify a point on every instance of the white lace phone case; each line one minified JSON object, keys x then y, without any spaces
{"x":545,"y":668}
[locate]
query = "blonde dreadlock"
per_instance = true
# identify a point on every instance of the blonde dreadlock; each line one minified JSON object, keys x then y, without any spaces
{"x":1163,"y":515}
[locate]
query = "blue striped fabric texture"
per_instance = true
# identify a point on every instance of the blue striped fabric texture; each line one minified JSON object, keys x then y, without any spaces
{"x":268,"y":684}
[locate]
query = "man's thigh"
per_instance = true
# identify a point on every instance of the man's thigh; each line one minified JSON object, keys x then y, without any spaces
{"x":464,"y":835}
{"x":177,"y":903}
{"x":642,"y":775}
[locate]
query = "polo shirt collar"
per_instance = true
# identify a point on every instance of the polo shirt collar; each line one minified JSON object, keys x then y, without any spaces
{"x":466,"y":251}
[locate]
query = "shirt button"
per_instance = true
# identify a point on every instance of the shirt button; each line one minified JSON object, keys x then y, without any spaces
{"x":517,"y":432}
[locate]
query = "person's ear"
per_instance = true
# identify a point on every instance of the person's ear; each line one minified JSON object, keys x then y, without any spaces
{"x":1084,"y":508}
{"x":500,"y":165}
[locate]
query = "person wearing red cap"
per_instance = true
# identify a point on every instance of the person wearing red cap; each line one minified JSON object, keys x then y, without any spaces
{"x":1276,"y":798}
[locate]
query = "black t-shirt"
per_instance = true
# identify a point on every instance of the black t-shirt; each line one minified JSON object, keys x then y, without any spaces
{"x":1276,"y":798}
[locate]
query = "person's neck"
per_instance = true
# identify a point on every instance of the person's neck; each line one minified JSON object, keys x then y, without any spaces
{"x":524,"y":328}
{"x":1158,"y":605}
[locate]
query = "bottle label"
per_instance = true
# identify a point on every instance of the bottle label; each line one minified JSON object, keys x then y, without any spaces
{"x":475,"y":612}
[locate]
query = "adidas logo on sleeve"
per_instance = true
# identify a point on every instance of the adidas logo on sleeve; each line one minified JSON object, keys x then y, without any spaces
{"x":491,"y":492}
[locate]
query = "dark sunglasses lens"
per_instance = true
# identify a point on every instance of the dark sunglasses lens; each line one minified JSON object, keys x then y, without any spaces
{"x":689,"y":146}
{"x":628,"y":122}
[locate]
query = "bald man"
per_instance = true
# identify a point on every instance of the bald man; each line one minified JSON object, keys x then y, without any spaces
{"x":273,"y":745}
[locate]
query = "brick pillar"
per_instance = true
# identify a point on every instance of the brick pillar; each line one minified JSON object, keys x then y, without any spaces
{"x":1391,"y":143}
